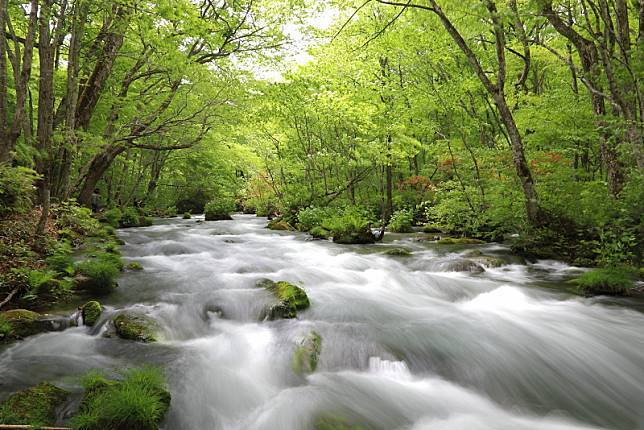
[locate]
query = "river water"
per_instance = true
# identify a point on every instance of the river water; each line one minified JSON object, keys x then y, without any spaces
{"x":404,"y":345}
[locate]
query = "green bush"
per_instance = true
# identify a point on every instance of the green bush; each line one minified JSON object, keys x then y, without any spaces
{"x":16,"y":189}
{"x":97,"y":275}
{"x":112,"y":217}
{"x":219,"y":208}
{"x":401,"y":221}
{"x":60,"y":259}
{"x":138,"y":401}
{"x":75,"y":219}
{"x":352,"y":219}
{"x":314,"y":216}
{"x":130,"y":217}
{"x":609,"y":281}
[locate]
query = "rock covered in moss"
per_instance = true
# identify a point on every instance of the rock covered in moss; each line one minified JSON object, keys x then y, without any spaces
{"x":290,"y":299}
{"x":355,"y":238}
{"x":135,"y":266}
{"x":186,"y":215}
{"x":34,"y":406}
{"x":611,"y":281}
{"x":320,"y":232}
{"x":280,"y":224}
{"x":135,"y":326}
{"x":335,"y":422}
{"x":212,"y":216}
{"x":22,"y":323}
{"x":398,"y":252}
{"x":459,"y":241}
{"x":307,"y":354}
{"x":461,"y":265}
{"x":90,"y":312}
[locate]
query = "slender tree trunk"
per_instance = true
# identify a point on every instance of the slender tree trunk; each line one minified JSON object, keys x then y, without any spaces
{"x":97,"y":168}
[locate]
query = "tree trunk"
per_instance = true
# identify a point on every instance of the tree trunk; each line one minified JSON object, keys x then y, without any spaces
{"x":97,"y":168}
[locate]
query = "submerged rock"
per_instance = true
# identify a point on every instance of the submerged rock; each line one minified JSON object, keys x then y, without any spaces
{"x":34,"y":406}
{"x":290,"y":299}
{"x":307,"y":354}
{"x":135,"y":326}
{"x":135,"y":265}
{"x":25,"y":323}
{"x":90,"y":312}
{"x":398,"y":252}
{"x":335,"y":422}
{"x":461,"y":265}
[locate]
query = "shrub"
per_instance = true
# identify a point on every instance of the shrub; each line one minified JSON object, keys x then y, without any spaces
{"x":130,"y":217}
{"x":138,"y":401}
{"x":401,"y":221}
{"x":97,"y":275}
{"x":60,"y":259}
{"x":112,"y":217}
{"x":352,"y":225}
{"x":219,"y":209}
{"x":76,"y":219}
{"x":16,"y":189}
{"x":609,"y":281}
{"x":43,"y":283}
{"x":313,"y":216}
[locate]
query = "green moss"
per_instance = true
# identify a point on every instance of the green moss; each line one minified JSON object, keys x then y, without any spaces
{"x":135,"y":265}
{"x":398,"y":252}
{"x":22,"y":323}
{"x":138,"y":401}
{"x":187,"y":215}
{"x":5,"y":327}
{"x":307,"y":354}
{"x":608,"y":281}
{"x":335,"y":422}
{"x":112,"y":217}
{"x":98,"y":275}
{"x":290,"y":299}
{"x":279,"y":224}
{"x":132,"y":326}
{"x":91,"y":311}
{"x":35,"y":406}
{"x":459,"y":241}
{"x":320,"y":233}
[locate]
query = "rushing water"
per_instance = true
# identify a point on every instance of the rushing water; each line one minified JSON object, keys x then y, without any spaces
{"x":404,"y":346}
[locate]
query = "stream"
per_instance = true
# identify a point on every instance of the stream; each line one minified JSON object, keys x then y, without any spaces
{"x":405,"y":345}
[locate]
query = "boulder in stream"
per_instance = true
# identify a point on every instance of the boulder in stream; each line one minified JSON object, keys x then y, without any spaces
{"x":307,"y":354}
{"x":34,"y":406}
{"x":461,"y":265}
{"x":135,"y":326}
{"x":355,"y":238}
{"x":90,"y":312}
{"x":23,"y":323}
{"x":459,"y":241}
{"x":290,"y":299}
{"x":280,"y":224}
{"x":398,"y":252}
{"x":335,"y":422}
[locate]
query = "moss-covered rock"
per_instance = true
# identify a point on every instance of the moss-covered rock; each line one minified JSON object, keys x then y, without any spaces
{"x":98,"y":275}
{"x":320,"y":232}
{"x":335,"y":422}
{"x":398,"y":252}
{"x":290,"y":299}
{"x":280,"y":224}
{"x":307,"y":354}
{"x":461,"y":265}
{"x":135,"y":326}
{"x":459,"y":241}
{"x":90,"y":312}
{"x":22,"y":323}
{"x":489,"y":261}
{"x":355,"y":238}
{"x":607,"y":281}
{"x":135,"y":265}
{"x":212,"y":216}
{"x":186,"y":215}
{"x":139,"y":400}
{"x":35,"y":406}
